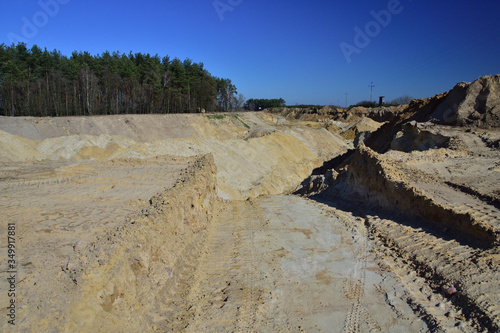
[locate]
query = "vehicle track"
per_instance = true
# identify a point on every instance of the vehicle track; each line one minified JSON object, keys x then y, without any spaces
{"x":222,"y":294}
{"x":399,"y":247}
{"x":353,"y":290}
{"x":263,"y":267}
{"x":440,"y":261}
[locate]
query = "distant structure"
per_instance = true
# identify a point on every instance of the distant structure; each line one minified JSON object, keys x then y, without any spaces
{"x":371,"y":91}
{"x":381,"y":100}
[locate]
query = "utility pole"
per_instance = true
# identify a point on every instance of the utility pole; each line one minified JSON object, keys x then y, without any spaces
{"x":371,"y":91}
{"x":346,"y":99}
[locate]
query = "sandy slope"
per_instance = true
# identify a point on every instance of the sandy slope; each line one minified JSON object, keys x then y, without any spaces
{"x":260,"y":159}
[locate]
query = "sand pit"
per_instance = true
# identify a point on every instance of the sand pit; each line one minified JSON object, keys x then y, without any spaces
{"x":178,"y":223}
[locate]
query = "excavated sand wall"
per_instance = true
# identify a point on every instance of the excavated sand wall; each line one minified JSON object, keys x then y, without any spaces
{"x":381,"y":183}
{"x":262,"y":160}
{"x":125,"y":275}
{"x":140,"y":128}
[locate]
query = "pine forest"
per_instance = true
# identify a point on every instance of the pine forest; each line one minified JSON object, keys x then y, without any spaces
{"x":36,"y":82}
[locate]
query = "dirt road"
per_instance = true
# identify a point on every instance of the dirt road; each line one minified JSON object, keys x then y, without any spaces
{"x":288,"y":264}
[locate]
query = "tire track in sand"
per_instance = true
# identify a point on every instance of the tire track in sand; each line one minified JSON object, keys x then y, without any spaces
{"x":354,"y":289}
{"x":224,"y":296}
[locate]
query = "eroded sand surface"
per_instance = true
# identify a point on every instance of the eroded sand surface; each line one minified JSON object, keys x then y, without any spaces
{"x":185,"y":223}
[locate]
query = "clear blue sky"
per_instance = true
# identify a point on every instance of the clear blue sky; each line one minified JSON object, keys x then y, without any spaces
{"x":289,"y":49}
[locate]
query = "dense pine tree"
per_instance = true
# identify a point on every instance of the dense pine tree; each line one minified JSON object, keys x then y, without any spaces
{"x":36,"y":82}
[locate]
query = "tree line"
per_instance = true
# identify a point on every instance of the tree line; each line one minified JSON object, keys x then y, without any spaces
{"x":36,"y":82}
{"x":261,"y":104}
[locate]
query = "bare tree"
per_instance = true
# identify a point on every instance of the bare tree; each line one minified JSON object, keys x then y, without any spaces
{"x":401,"y":100}
{"x":89,"y":82}
{"x":240,"y":101}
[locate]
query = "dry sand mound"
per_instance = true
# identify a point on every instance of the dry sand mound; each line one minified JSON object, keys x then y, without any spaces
{"x":472,"y":104}
{"x":98,"y":242}
{"x":367,"y":125}
{"x":415,"y":136}
{"x":15,"y":148}
{"x":360,"y":130}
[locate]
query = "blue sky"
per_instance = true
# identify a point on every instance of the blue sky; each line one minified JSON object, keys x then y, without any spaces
{"x":289,"y":49}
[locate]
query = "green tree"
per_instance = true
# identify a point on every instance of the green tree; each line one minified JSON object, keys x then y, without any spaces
{"x":226,"y":93}
{"x":261,"y":104}
{"x":37,"y":82}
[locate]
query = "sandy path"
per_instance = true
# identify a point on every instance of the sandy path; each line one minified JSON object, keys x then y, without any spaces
{"x":287,"y":264}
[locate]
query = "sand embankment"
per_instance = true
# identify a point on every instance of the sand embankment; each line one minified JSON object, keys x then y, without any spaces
{"x":140,"y":128}
{"x":253,"y":156}
{"x":142,"y":262}
{"x":103,"y":245}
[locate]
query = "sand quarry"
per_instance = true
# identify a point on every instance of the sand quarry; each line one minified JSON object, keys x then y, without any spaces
{"x":368,"y":220}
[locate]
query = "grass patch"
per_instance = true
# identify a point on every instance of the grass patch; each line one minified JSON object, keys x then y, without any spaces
{"x":222,"y":116}
{"x":244,"y":124}
{"x":215,"y":116}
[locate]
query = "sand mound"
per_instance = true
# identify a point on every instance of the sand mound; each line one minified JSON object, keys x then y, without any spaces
{"x":474,"y":104}
{"x":100,"y":147}
{"x":16,"y":148}
{"x":360,"y":130}
{"x":367,"y":125}
{"x":416,"y":136}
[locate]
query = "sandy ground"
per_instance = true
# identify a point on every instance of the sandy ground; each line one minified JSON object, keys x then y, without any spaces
{"x":58,"y":208}
{"x":284,"y":264}
{"x":124,"y":224}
